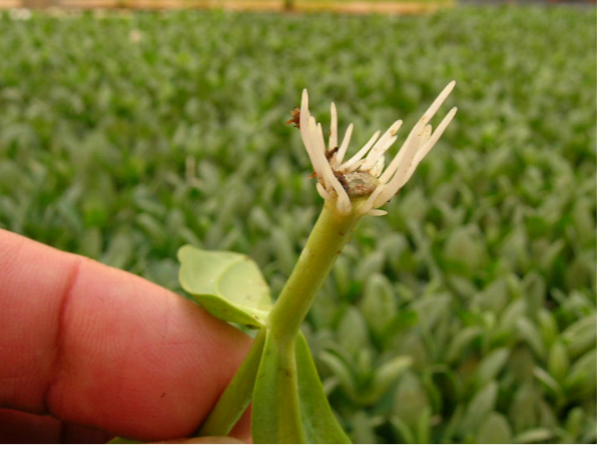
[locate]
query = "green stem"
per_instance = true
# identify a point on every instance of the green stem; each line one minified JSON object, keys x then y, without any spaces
{"x":292,"y":428}
{"x":235,"y":399}
{"x":331,"y":232}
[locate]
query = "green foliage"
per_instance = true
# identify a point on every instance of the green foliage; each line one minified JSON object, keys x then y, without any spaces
{"x":319,"y":423}
{"x":484,"y":272}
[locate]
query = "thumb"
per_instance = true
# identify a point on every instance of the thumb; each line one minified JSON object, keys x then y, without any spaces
{"x":205,"y":440}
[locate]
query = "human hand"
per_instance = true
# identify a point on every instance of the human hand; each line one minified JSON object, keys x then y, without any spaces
{"x":103,"y":352}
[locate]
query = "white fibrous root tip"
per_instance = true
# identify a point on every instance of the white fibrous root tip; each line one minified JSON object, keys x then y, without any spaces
{"x":395,"y":127}
{"x":333,"y":142}
{"x":377,"y":212}
{"x":305,"y":99}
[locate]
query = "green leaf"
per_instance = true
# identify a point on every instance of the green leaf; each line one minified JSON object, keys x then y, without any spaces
{"x":558,"y":362}
{"x":581,"y":336}
{"x":575,"y":422}
{"x":228,"y":285}
{"x":342,"y":372}
{"x":352,"y":332}
{"x":410,"y":396}
{"x":491,"y":365}
{"x":494,"y":430}
{"x":531,"y":335}
{"x":363,"y":428}
{"x":403,"y":430}
{"x":276,"y":416}
{"x":548,"y":381}
{"x":235,"y":399}
{"x":460,"y":342}
{"x":582,"y":376}
{"x":539,"y":435}
{"x":423,"y":429}
{"x":466,"y":248}
{"x":452,"y":426}
{"x":319,"y":423}
{"x":378,"y":303}
{"x":386,"y":375}
{"x":589,"y":433}
{"x":480,"y":407}
{"x":523,"y":410}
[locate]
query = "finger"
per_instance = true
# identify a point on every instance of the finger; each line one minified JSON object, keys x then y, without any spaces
{"x":24,"y":428}
{"x":20,"y":428}
{"x":100,"y":347}
{"x":74,"y":434}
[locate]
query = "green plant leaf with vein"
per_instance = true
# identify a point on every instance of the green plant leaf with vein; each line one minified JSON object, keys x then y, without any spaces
{"x":228,"y":285}
{"x":319,"y":423}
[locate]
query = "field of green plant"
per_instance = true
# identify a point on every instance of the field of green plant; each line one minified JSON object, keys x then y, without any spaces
{"x":468,"y":314}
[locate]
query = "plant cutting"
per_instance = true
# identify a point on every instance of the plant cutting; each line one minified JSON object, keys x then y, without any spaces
{"x":278,"y":374}
{"x":481,"y":278}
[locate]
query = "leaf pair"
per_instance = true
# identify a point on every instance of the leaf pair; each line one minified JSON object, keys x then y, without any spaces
{"x":289,"y":404}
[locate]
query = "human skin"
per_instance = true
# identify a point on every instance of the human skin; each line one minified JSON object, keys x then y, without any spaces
{"x":88,"y":351}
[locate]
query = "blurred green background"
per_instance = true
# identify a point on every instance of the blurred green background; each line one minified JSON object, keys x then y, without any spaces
{"x":468,"y":314}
